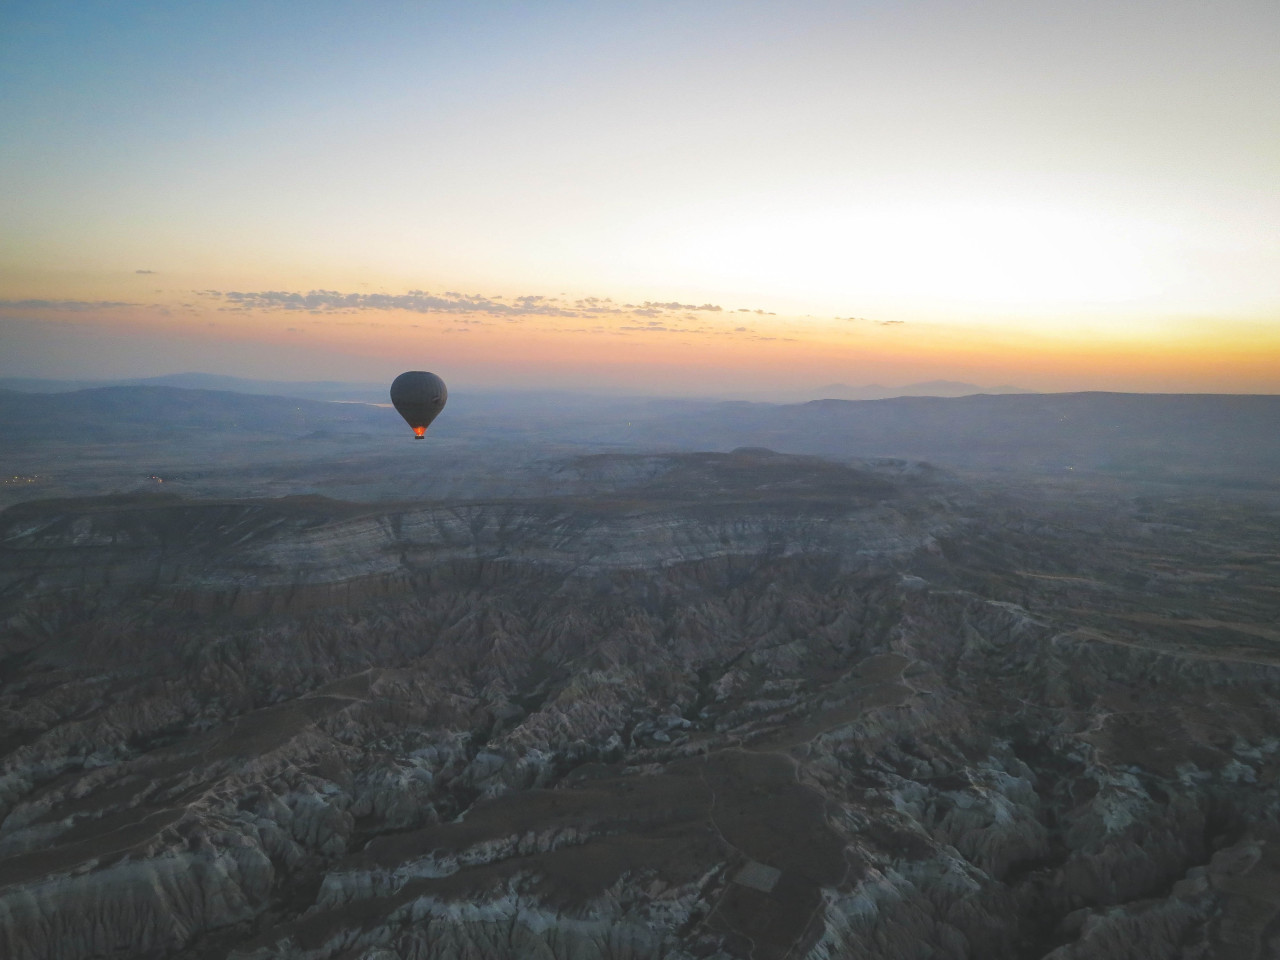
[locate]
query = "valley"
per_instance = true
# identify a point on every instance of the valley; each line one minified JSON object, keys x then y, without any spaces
{"x":744,"y":704}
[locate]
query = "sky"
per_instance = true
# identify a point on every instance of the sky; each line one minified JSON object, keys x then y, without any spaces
{"x":694,"y":197}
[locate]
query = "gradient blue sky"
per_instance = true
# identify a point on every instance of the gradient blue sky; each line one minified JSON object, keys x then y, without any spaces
{"x":1042,"y":192}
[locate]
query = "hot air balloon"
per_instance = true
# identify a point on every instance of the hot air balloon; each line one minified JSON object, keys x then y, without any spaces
{"x":419,"y":397}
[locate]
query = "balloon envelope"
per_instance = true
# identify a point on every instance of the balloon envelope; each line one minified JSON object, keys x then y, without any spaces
{"x":419,"y":397}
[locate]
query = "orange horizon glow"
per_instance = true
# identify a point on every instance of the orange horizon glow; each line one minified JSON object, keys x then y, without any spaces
{"x":675,"y":351}
{"x":1052,"y":197}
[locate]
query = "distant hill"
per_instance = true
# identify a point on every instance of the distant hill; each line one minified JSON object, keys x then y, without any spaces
{"x":1158,"y":436}
{"x":131,"y":413}
{"x":368,"y":391}
{"x":376,"y":392}
{"x":1167,"y":435}
{"x":877,"y":391}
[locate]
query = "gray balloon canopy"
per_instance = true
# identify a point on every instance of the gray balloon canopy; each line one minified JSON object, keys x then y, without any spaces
{"x":419,"y":397}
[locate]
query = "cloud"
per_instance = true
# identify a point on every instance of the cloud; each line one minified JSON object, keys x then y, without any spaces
{"x":882,"y":323}
{"x":415,"y":301}
{"x":451,"y":301}
{"x":144,"y":271}
{"x":73,"y":305}
{"x":672,"y":305}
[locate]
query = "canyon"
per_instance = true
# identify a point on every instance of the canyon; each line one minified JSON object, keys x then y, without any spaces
{"x":682,"y":705}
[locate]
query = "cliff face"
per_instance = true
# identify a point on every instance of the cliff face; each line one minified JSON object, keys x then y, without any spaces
{"x":696,"y":706}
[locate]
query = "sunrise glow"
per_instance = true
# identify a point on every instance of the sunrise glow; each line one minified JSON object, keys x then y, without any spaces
{"x":734,"y":199}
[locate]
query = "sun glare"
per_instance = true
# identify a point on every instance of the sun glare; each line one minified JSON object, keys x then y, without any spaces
{"x":982,"y":255}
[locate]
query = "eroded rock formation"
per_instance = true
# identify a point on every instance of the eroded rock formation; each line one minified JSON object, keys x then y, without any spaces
{"x":695,"y":706}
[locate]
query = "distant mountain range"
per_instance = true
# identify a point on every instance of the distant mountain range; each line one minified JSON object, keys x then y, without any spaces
{"x":376,"y":392}
{"x":131,"y":413}
{"x":876,"y":391}
{"x":1158,"y":436}
{"x":369,"y":391}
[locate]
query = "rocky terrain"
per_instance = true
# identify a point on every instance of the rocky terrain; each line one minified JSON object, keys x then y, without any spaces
{"x":736,"y":705}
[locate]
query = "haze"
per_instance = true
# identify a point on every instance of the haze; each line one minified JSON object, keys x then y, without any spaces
{"x":713,"y":198}
{"x":851,"y":531}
